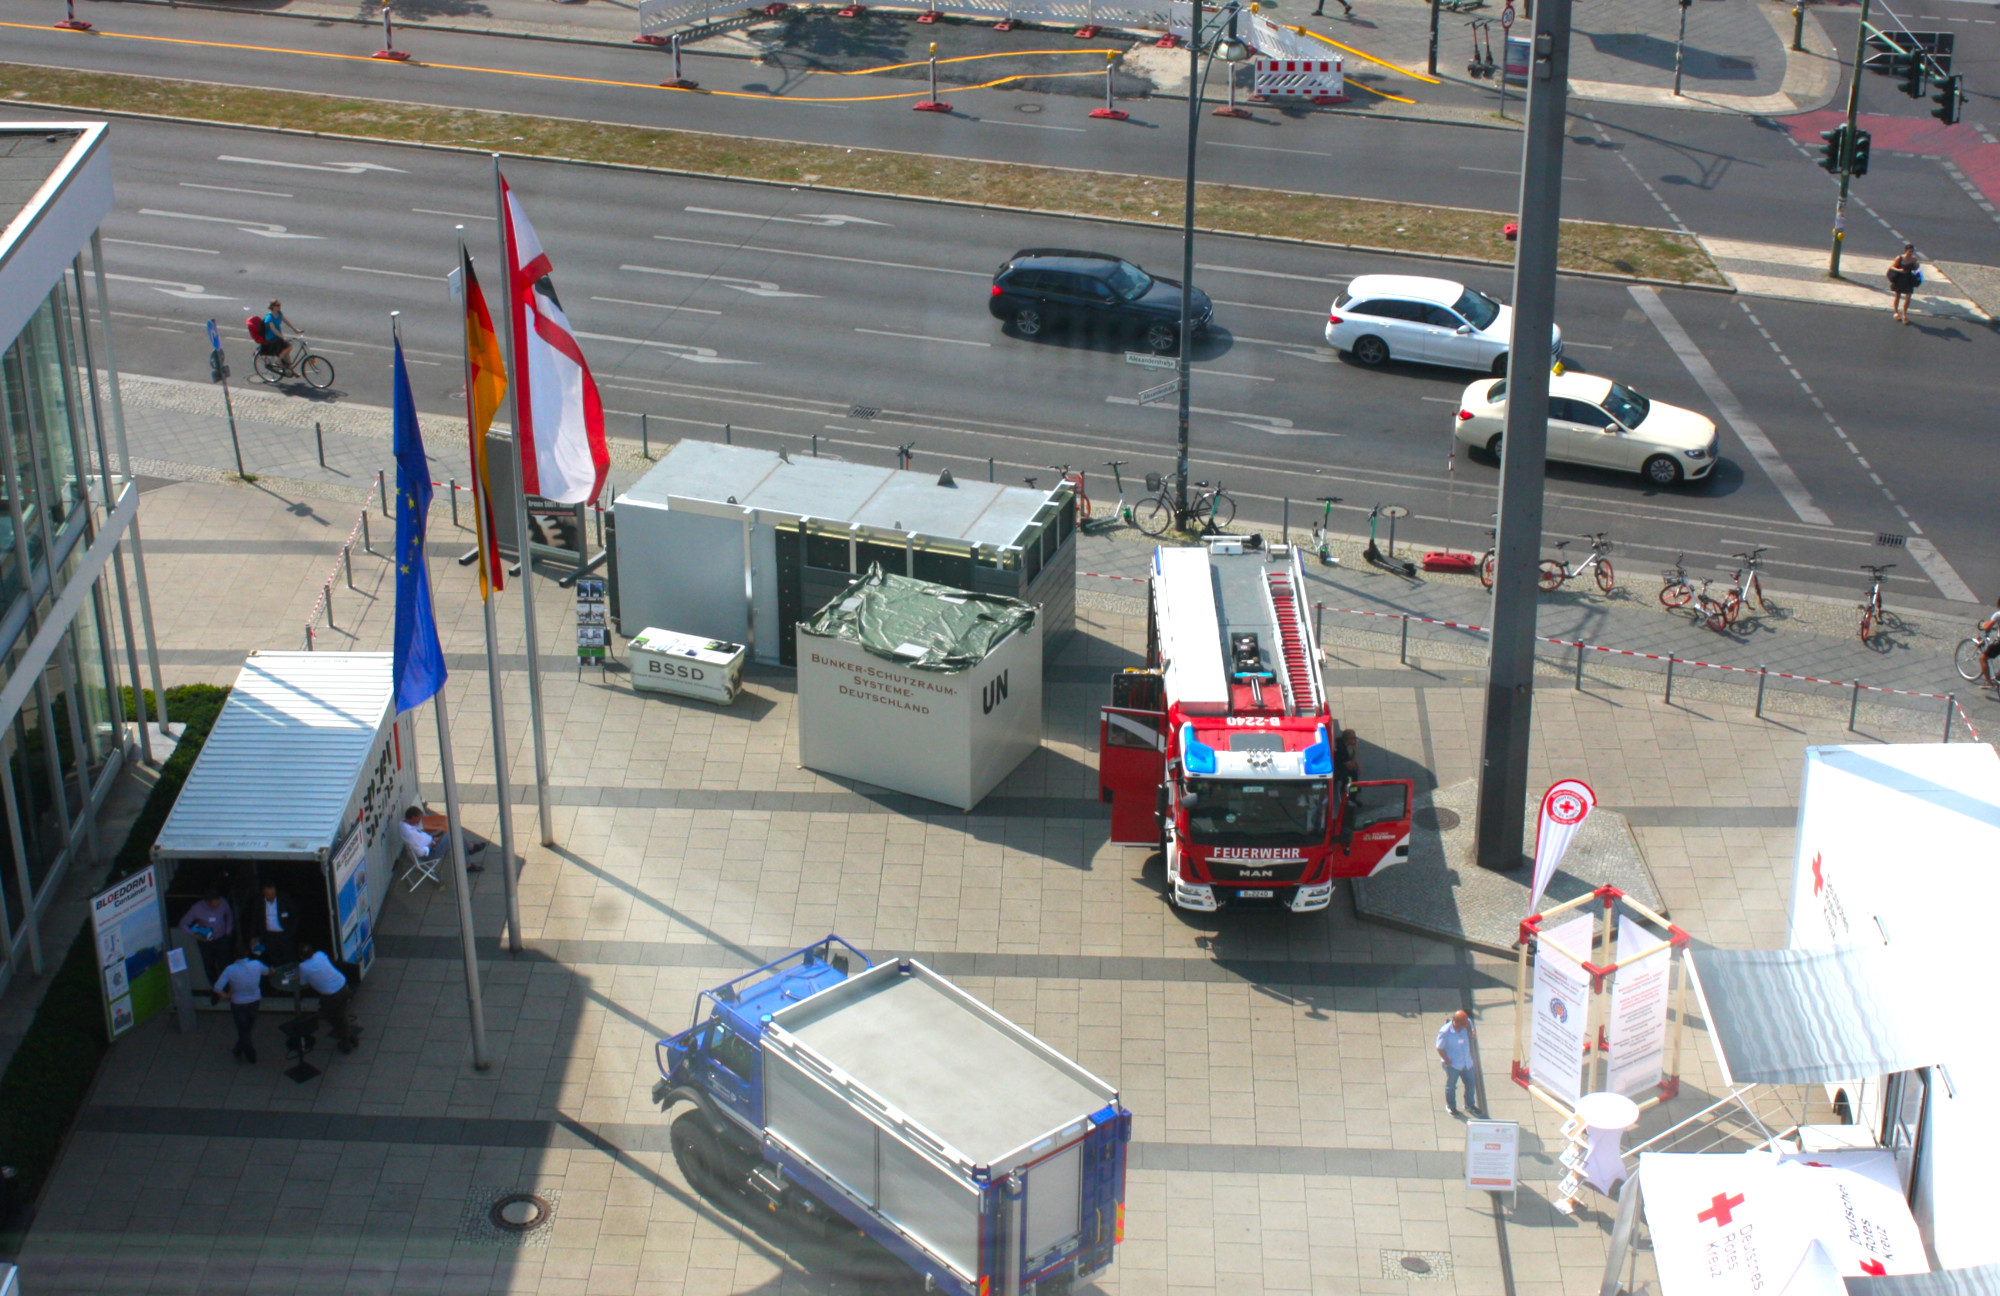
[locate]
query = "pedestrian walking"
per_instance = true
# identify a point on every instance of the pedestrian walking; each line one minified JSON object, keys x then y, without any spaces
{"x":1906,"y":272}
{"x":334,"y":988}
{"x":243,"y":982}
{"x":1319,"y":9}
{"x":1454,"y":1046}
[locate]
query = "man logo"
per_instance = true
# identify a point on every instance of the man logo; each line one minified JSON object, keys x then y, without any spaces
{"x":993,"y":694}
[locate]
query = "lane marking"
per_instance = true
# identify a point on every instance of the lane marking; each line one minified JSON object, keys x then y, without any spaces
{"x":164,"y":247}
{"x":1230,"y":373}
{"x":338,"y":168}
{"x":1729,"y":407}
{"x":828,"y":221}
{"x":1287,"y":310}
{"x":755,"y":287}
{"x":988,"y":121}
{"x":1441,"y":400}
{"x":399,"y":274}
{"x":693,"y":354}
{"x":173,"y":288}
{"x":1335,"y":280}
{"x":432,"y":211}
{"x":1588,"y":346}
{"x":254,"y":193}
{"x":1256,"y":422}
{"x":262,"y":229}
{"x":1266,"y":148}
{"x":822,"y":256}
{"x":919,"y":337}
{"x":685,"y":310}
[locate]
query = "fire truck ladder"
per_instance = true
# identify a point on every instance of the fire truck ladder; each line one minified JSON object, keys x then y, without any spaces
{"x":1301,"y":678}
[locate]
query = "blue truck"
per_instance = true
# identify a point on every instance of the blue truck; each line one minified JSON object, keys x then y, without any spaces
{"x":853,"y":1095}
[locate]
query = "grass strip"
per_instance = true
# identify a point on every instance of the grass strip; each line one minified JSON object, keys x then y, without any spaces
{"x":45,"y":1082}
{"x":1589,"y":246}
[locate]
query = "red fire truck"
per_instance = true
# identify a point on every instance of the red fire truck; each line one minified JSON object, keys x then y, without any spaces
{"x":1221,"y":749}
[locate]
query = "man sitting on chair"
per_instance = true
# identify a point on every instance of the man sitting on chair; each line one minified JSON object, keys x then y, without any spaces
{"x":428,"y":849}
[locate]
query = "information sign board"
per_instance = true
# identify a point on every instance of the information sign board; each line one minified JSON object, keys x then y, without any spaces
{"x":128,"y":926}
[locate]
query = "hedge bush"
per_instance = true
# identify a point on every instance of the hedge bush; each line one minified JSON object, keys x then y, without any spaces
{"x":44,"y":1085}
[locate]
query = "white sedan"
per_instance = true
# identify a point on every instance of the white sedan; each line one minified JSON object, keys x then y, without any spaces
{"x":1432,"y":321}
{"x":1601,"y":423}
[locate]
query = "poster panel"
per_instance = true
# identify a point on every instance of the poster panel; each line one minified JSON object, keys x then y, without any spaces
{"x":128,"y":925}
{"x":1492,"y":1155}
{"x":1561,"y":1008}
{"x":1637,"y":1029}
{"x":352,"y":911}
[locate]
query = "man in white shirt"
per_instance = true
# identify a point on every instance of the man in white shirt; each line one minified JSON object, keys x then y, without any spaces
{"x":1454,"y":1048}
{"x":243,"y":982}
{"x":334,"y":989}
{"x":426,"y":846}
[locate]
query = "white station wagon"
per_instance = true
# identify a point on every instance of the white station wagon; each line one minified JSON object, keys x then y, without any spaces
{"x":1432,"y":321}
{"x":1601,"y":423}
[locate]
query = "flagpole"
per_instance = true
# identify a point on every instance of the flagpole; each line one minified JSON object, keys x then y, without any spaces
{"x":510,"y":882}
{"x":522,"y":542}
{"x":475,"y":1006}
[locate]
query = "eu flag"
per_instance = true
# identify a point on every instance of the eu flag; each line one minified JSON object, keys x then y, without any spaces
{"x":419,"y":660}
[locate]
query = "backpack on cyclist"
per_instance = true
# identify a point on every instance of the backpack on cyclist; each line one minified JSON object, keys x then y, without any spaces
{"x":256,"y":327}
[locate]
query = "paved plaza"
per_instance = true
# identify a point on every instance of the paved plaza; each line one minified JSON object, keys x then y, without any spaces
{"x":1289,"y":1135}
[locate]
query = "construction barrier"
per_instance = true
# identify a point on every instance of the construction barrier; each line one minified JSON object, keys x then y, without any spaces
{"x":1315,"y":80}
{"x":658,"y":19}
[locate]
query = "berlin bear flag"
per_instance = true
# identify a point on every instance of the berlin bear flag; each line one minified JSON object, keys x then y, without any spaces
{"x":1564,"y":809}
{"x":563,"y":453}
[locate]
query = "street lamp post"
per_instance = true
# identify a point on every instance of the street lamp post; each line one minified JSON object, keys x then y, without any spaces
{"x":1232,"y":51}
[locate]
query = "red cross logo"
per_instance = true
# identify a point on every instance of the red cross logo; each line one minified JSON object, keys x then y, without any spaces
{"x":1874,"y":1268}
{"x":1819,"y":880}
{"x":1720,"y":1209}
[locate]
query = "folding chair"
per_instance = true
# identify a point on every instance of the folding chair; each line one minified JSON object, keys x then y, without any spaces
{"x":419,"y":870}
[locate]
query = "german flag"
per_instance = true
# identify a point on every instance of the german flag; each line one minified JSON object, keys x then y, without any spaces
{"x":485,"y":388}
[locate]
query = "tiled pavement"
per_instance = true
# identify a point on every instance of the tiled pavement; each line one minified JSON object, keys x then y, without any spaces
{"x":1289,"y":1137}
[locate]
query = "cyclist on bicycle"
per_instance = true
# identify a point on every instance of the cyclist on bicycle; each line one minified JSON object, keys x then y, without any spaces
{"x":1992,"y":644}
{"x":275,"y":343}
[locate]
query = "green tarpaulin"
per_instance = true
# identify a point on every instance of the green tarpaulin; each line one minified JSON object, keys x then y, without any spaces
{"x":916,"y":623}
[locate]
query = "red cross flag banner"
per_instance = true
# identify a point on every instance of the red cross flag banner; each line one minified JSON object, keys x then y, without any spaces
{"x":564,"y":456}
{"x":1737,"y":1224}
{"x":1564,"y":808}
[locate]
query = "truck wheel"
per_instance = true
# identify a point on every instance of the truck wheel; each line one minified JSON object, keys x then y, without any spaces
{"x":700,"y":1155}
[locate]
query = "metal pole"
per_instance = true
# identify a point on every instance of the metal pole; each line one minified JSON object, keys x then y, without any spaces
{"x":1187,"y":261}
{"x":1763,"y":674}
{"x":347,"y":557}
{"x":645,"y":439}
{"x":475,"y":1008}
{"x":1503,"y":778}
{"x":1799,"y":27}
{"x":1847,"y":151}
{"x":367,"y":545}
{"x":1854,"y":706}
{"x":382,"y":491}
{"x":326,"y":597}
{"x":1680,"y":47}
{"x":1434,"y":38}
{"x":1288,"y":519}
{"x":1403,"y":644}
{"x":1579,"y":665}
{"x":989,"y":467}
{"x":522,"y":542}
{"x":319,"y":440}
{"x":229,"y":408}
{"x":1669,"y":698}
{"x":1319,"y":615}
{"x":728,"y":435}
{"x":1950,"y":709}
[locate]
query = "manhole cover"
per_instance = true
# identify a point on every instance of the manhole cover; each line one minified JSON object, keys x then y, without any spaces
{"x":1423,"y":1266}
{"x":1027,"y":107}
{"x":520,"y":1212}
{"x":1436,"y":819}
{"x":863,"y":412}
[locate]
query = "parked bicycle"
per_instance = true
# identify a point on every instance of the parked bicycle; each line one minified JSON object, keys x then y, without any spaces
{"x":1082,"y":495}
{"x":1210,"y":510}
{"x":1744,"y":583}
{"x":1490,"y":559}
{"x":1676,"y":591}
{"x":316,"y":370}
{"x":1872,"y":614}
{"x":1710,"y":609}
{"x":1556,"y":572}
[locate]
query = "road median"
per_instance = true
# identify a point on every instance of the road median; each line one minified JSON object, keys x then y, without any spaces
{"x":1620,"y":251}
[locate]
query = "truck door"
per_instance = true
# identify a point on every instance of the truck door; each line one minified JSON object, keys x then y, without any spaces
{"x":1132,"y":755}
{"x":1374,"y":828}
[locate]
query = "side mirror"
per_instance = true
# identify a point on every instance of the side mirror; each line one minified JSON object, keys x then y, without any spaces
{"x":1465,"y":330}
{"x":1160,"y":804}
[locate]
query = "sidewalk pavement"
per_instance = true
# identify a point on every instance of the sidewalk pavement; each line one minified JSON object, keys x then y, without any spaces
{"x":1799,"y":274}
{"x":1289,"y":1133}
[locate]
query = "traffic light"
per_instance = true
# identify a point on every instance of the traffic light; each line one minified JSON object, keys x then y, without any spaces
{"x":1915,"y":73}
{"x":1834,"y":152}
{"x":1950,"y":99}
{"x":218,"y":369}
{"x":1857,"y":160}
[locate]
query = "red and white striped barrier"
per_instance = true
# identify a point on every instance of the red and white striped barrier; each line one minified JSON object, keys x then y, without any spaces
{"x":1318,"y":80}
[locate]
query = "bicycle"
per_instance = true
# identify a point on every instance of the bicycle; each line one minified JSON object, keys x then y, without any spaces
{"x":1971,"y":654}
{"x":1556,"y":572}
{"x":1709,"y":608}
{"x":315,"y":370}
{"x":1490,"y":559}
{"x":1872,"y":614}
{"x":1321,"y":541}
{"x":1212,"y":507}
{"x":1675,"y":589}
{"x":1082,"y":496}
{"x":1746,"y":582}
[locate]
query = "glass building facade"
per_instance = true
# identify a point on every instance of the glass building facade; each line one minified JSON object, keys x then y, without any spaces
{"x":66,"y":515}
